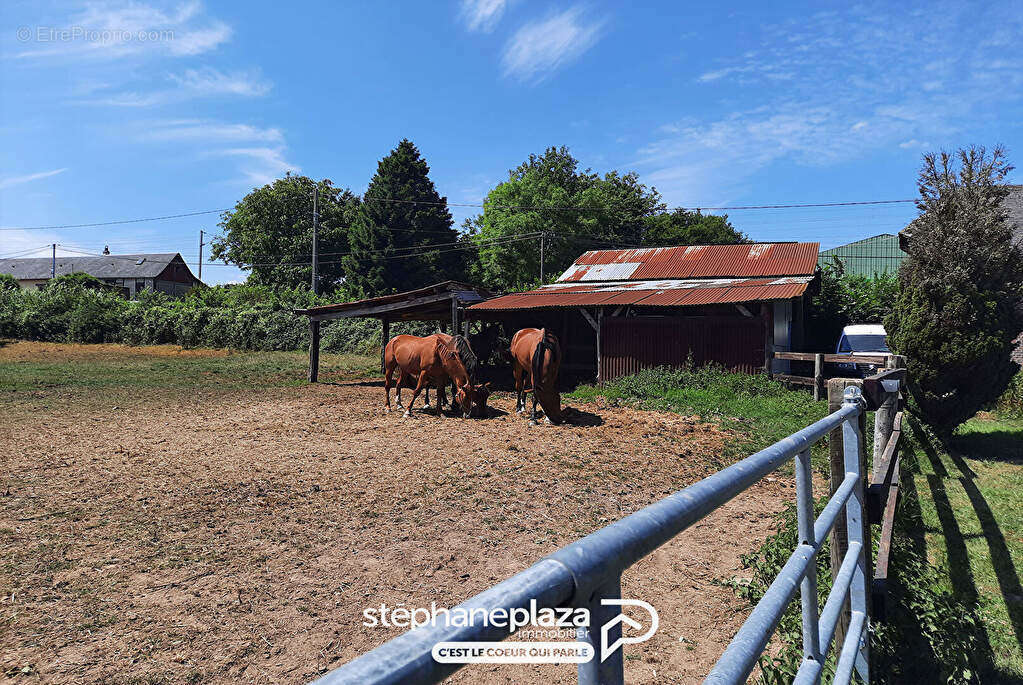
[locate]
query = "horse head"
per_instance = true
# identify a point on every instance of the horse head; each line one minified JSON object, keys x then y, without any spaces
{"x":462,"y":364}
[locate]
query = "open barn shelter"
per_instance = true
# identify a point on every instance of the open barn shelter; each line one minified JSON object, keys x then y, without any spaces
{"x":442,"y":302}
{"x":619,"y":311}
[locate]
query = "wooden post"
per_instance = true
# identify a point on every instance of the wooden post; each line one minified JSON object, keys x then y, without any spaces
{"x":454,"y":315}
{"x":385,"y":337}
{"x":818,"y":376}
{"x":766,"y":313}
{"x":600,"y":329}
{"x":839,"y":539}
{"x":314,"y":350}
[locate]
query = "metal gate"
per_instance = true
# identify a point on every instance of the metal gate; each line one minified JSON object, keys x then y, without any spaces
{"x":589,"y":570}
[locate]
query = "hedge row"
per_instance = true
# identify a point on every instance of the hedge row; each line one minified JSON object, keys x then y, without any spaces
{"x":238,"y":317}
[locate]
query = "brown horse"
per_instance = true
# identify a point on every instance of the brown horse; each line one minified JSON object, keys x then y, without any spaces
{"x":437,"y":359}
{"x":470,"y":359}
{"x":536,"y":355}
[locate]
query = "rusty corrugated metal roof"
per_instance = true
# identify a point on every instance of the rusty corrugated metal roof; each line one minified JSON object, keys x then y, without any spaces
{"x":656,"y":293}
{"x":695,"y":261}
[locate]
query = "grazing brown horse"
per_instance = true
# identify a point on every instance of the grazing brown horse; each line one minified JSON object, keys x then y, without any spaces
{"x":470,"y":359}
{"x":437,"y":359}
{"x":536,"y":355}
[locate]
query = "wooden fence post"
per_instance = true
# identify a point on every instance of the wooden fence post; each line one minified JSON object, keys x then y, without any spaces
{"x":839,"y":538}
{"x":818,"y":376}
{"x":314,"y":350}
{"x":385,"y":337}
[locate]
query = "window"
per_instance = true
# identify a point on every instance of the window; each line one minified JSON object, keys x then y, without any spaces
{"x":867,"y":343}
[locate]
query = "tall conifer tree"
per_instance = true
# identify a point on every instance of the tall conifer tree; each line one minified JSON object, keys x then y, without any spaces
{"x":403,"y":237}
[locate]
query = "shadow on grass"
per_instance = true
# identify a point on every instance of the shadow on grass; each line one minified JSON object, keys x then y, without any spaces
{"x":960,"y":572}
{"x":998,"y":445}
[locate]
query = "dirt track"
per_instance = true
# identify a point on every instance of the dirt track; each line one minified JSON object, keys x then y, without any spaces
{"x":240,"y":539}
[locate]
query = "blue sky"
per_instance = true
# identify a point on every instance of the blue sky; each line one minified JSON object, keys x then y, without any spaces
{"x":119,"y":110}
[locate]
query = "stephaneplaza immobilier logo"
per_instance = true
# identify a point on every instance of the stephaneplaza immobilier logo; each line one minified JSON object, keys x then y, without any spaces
{"x":534,"y":622}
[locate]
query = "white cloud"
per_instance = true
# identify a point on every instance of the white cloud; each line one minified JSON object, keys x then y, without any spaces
{"x":192,"y":83}
{"x":264,"y":164}
{"x":837,"y":86}
{"x":260,"y":150}
{"x":541,"y":47}
{"x":482,"y":15}
{"x":209,"y":81}
{"x":18,"y":180}
{"x":114,"y":29}
{"x":210,"y":132}
{"x":914,"y":144}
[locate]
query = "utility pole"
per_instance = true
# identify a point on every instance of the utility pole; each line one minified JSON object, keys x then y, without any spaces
{"x":316,"y":221}
{"x":543,"y":234}
{"x":201,"y":234}
{"x":53,"y":262}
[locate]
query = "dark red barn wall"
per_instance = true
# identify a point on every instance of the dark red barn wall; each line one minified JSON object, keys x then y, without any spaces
{"x":631,"y":344}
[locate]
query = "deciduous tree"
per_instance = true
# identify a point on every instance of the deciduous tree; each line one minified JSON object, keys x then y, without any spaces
{"x":270,"y":232}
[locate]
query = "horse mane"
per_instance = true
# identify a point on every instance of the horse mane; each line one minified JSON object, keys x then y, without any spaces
{"x":468,"y":356}
{"x":547,"y":342}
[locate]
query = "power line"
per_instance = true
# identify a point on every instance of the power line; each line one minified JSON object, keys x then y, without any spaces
{"x":383,"y":255}
{"x":111,"y":223}
{"x":21,"y":253}
{"x":482,"y":205}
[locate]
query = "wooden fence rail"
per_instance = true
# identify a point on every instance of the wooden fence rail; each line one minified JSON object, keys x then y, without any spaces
{"x":819,"y":359}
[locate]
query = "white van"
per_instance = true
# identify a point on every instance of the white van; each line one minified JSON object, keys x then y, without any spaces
{"x":862,"y":340}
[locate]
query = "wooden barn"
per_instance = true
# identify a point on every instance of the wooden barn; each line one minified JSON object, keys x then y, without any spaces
{"x":619,"y":311}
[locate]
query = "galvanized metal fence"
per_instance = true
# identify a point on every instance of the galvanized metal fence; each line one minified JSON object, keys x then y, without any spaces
{"x":589,"y":570}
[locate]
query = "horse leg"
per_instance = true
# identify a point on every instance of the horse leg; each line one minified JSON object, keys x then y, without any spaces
{"x":520,"y":401}
{"x":423,"y":379}
{"x":387,"y":389}
{"x":401,"y":382}
{"x":532,"y":419}
{"x":426,"y":402}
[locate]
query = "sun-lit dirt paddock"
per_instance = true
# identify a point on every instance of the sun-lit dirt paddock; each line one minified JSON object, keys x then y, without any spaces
{"x":204,"y":536}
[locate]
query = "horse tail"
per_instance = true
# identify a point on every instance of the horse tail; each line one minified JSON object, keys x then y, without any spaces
{"x":537,"y":365}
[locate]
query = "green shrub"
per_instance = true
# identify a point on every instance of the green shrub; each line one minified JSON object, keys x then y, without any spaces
{"x":846,"y":299}
{"x":8,"y":282}
{"x":1011,"y":402}
{"x":243,"y":317}
{"x":95,"y":318}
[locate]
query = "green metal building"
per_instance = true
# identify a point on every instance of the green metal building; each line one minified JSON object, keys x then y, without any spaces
{"x":872,"y":256}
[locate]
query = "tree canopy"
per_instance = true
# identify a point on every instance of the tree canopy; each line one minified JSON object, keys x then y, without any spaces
{"x":687,"y":227}
{"x":270,"y":232}
{"x":958,"y":309}
{"x":403,"y":236}
{"x":575,"y":210}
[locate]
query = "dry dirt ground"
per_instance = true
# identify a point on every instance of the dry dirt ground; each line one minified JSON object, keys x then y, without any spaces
{"x":238,"y":536}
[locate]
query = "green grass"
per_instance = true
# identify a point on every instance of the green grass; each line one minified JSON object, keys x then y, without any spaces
{"x":955,"y":602}
{"x":759,"y":410}
{"x":970,"y":496}
{"x":30,"y":371}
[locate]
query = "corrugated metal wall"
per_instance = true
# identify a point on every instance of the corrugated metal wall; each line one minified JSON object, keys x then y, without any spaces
{"x":630,"y":344}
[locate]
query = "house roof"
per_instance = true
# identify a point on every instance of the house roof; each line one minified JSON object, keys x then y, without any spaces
{"x":105,"y":266}
{"x":653,"y":293}
{"x":756,"y":260}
